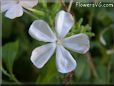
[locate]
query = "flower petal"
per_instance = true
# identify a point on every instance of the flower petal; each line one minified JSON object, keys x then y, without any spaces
{"x":63,"y":23}
{"x":78,"y":43}
{"x":28,"y":3}
{"x":6,"y":4}
{"x":15,"y":11}
{"x":40,"y":30}
{"x":42,"y":54}
{"x":64,"y":60}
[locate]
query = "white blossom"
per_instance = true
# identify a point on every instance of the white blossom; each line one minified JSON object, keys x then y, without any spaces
{"x":15,"y":8}
{"x":40,"y":30}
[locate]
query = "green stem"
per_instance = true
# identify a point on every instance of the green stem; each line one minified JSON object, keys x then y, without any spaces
{"x":5,"y":72}
{"x":15,"y":79}
{"x":92,"y":67}
{"x":101,"y":38}
{"x":108,"y":73}
{"x":11,"y":75}
{"x":35,"y":17}
{"x":37,"y":12}
{"x":88,"y":55}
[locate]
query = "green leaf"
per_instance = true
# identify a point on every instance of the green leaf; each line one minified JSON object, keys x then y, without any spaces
{"x":6,"y":28}
{"x":102,"y":74}
{"x":55,"y":7}
{"x":9,"y":54}
{"x":48,"y":72}
{"x":82,"y":70}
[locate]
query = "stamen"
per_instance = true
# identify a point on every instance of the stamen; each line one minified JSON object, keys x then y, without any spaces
{"x":59,"y":41}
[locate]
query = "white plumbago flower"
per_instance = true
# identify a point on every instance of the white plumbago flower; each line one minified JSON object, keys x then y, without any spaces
{"x":14,"y":8}
{"x":40,"y":30}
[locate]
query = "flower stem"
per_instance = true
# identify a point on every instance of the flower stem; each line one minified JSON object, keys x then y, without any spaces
{"x":63,"y":4}
{"x":68,"y":78}
{"x":11,"y":75}
{"x":70,"y":5}
{"x":35,"y":17}
{"x":38,"y":12}
{"x":15,"y":79}
{"x":92,"y":66}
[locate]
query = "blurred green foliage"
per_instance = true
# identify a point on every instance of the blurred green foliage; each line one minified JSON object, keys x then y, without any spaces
{"x":17,"y":46}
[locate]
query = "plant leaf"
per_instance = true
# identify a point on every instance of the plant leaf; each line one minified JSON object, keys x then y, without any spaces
{"x":83,"y":70}
{"x":9,"y":52}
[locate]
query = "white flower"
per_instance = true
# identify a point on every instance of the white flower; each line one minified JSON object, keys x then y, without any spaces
{"x":40,"y":30}
{"x":14,"y":8}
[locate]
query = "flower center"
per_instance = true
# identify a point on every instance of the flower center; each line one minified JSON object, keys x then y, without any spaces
{"x":59,"y":41}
